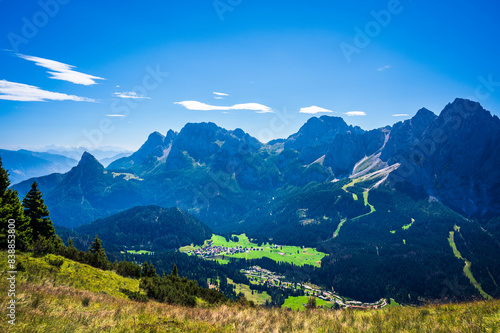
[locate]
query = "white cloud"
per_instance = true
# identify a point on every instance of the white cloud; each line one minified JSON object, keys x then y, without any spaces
{"x":313,"y":110}
{"x":401,"y":115}
{"x":130,"y":94}
{"x":198,"y":106}
{"x":355,"y":113}
{"x":218,"y":95}
{"x":12,"y":91}
{"x":115,"y":115}
{"x":62,"y":71}
{"x":383,"y":68}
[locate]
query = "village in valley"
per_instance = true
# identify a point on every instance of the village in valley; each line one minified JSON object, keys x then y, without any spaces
{"x":220,"y":249}
{"x":210,"y":251}
{"x":258,"y":275}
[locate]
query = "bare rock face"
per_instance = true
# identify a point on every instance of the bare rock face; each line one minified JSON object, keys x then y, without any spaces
{"x":456,"y":159}
{"x":341,"y":145}
{"x":315,"y":136}
{"x":155,"y":147}
{"x":406,"y":135}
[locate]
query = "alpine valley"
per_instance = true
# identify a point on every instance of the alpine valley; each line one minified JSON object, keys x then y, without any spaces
{"x":409,"y":211}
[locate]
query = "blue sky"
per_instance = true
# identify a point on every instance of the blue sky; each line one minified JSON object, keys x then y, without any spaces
{"x":109,"y":73}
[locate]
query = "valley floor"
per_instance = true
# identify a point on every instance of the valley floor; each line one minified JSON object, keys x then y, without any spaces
{"x":52,"y":301}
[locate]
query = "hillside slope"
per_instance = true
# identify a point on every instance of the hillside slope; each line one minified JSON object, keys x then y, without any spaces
{"x":150,"y":228}
{"x":46,"y":302}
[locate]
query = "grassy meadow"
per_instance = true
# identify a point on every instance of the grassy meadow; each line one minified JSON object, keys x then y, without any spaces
{"x":290,"y":254}
{"x":78,"y":298}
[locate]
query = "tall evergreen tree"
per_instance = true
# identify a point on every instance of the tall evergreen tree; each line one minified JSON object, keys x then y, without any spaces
{"x":96,"y":247}
{"x":37,"y":214}
{"x":96,"y":250}
{"x":175,"y":272}
{"x":11,"y":209}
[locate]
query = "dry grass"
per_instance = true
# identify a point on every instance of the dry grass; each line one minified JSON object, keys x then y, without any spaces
{"x":45,"y":306}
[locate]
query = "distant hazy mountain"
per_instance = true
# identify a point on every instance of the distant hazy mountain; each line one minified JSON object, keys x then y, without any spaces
{"x":105,"y":152}
{"x":25,"y":164}
{"x":108,"y":160}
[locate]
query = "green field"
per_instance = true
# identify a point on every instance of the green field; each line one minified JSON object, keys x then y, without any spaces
{"x":393,"y":303}
{"x":351,"y":184}
{"x":407,"y":226}
{"x":289,"y":254}
{"x":295,"y":302}
{"x":365,"y":197}
{"x":372,"y":209}
{"x":336,"y":233}
{"x":257,"y":297}
{"x":467,"y":271}
{"x":140,"y":252}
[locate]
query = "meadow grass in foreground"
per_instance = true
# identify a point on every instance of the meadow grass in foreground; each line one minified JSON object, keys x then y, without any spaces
{"x":45,"y":303}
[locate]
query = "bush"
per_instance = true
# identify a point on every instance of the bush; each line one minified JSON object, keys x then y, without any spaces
{"x":57,"y":262}
{"x":311,"y":303}
{"x":86,"y":301}
{"x":20,"y":267}
{"x":36,"y":302}
{"x":135,"y":295}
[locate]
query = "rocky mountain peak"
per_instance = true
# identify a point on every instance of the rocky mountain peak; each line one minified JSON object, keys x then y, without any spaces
{"x":155,"y":139}
{"x":88,"y":160}
{"x":463,"y":109}
{"x":423,"y":115}
{"x":315,"y":131}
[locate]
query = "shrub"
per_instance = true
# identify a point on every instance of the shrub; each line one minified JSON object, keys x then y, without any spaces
{"x":86,"y":301}
{"x":36,"y":302}
{"x":20,"y":267}
{"x":57,"y":262}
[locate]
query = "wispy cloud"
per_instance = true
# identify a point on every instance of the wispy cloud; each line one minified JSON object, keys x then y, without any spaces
{"x":60,"y":71}
{"x":13,"y":91}
{"x":383,"y":68}
{"x":314,"y":110}
{"x":355,"y":113}
{"x":130,"y":94}
{"x":198,"y":106}
{"x":218,"y":95}
{"x":401,"y":115}
{"x":115,"y":115}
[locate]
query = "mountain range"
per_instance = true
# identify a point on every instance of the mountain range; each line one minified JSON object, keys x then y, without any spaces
{"x":24,"y":164}
{"x":453,"y":158}
{"x":388,"y":205}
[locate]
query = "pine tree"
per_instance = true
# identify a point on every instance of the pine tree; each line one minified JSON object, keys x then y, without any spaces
{"x":11,"y":209}
{"x":71,"y":250}
{"x":4,"y":179}
{"x":98,"y":255}
{"x":145,"y":269}
{"x":152,"y":271}
{"x":174,"y":273}
{"x":37,"y":214}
